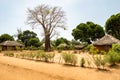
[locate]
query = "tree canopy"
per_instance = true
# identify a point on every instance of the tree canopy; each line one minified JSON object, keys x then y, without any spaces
{"x":61,"y":41}
{"x":29,"y":38}
{"x":5,"y":37}
{"x":87,"y":32}
{"x":49,"y":18}
{"x":112,"y":26}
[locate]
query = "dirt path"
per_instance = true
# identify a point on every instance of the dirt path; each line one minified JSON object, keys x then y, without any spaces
{"x":20,"y":69}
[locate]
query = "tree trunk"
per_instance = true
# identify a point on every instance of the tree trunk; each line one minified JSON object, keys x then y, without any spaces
{"x":47,"y":43}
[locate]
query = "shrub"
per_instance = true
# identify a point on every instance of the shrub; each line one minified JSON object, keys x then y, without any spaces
{"x":10,"y":54}
{"x":62,"y":46}
{"x":112,"y":57}
{"x":69,"y":58}
{"x":88,"y":63}
{"x":99,"y":61}
{"x":37,"y":55}
{"x":82,"y":62}
{"x":47,"y":57}
{"x":0,"y":49}
{"x":87,"y":48}
{"x":31,"y":55}
{"x":33,"y":48}
{"x":93,"y":50}
{"x":17,"y":55}
{"x":116,"y":48}
{"x":59,"y":50}
{"x":51,"y":56}
{"x":75,"y":51}
{"x":22,"y":55}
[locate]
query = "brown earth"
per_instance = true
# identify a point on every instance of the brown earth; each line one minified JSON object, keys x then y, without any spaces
{"x":21,"y":69}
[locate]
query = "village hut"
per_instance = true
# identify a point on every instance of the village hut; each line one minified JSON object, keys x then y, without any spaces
{"x":10,"y":45}
{"x":79,"y":47}
{"x":105,"y":43}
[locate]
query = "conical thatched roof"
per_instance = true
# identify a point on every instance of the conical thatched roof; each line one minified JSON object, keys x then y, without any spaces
{"x":10,"y":43}
{"x":106,"y":40}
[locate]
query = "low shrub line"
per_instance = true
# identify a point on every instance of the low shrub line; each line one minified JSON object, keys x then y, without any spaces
{"x":100,"y":61}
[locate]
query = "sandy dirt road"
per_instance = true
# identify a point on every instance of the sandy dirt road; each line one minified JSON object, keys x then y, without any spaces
{"x":21,"y":69}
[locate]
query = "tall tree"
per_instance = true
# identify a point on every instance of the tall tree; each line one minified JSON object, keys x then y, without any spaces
{"x":5,"y":37}
{"x":49,"y":18}
{"x":112,"y":26}
{"x":87,"y":32}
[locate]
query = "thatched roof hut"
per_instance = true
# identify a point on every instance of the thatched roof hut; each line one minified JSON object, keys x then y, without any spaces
{"x":79,"y":47}
{"x":105,"y":43}
{"x":10,"y":45}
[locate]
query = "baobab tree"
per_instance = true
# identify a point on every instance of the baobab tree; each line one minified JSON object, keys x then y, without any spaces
{"x":49,"y":18}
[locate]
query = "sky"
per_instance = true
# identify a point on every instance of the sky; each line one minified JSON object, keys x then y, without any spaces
{"x":13,"y":14}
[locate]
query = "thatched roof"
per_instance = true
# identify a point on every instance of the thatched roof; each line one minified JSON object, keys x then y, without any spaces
{"x":79,"y":46}
{"x":106,"y":40}
{"x":10,"y":43}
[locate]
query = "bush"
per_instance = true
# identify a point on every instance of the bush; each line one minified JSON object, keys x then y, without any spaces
{"x":82,"y":62}
{"x":38,"y":55}
{"x":116,"y":48}
{"x":93,"y":50}
{"x":51,"y":56}
{"x":17,"y":55}
{"x":69,"y":58}
{"x":31,"y":55}
{"x":10,"y":54}
{"x":33,"y":48}
{"x":112,"y":57}
{"x":0,"y":49}
{"x":99,"y":61}
{"x":59,"y":50}
{"x":62,"y":46}
{"x":47,"y":57}
{"x":22,"y":55}
{"x":87,"y":48}
{"x":18,"y":48}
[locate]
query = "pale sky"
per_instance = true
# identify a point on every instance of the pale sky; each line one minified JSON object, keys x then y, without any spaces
{"x":13,"y":13}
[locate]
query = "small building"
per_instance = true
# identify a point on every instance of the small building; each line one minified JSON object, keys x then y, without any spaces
{"x":105,"y":43}
{"x":79,"y":47}
{"x":10,"y":45}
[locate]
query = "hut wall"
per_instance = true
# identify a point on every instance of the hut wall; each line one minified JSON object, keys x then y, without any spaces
{"x":4,"y":48}
{"x":7,"y":48}
{"x":103,"y":47}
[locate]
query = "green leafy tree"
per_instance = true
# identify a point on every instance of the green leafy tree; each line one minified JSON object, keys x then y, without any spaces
{"x":87,"y":32}
{"x":34,"y":42}
{"x":112,"y":26}
{"x":49,"y":18}
{"x":61,"y":41}
{"x":29,"y":38}
{"x":5,"y":37}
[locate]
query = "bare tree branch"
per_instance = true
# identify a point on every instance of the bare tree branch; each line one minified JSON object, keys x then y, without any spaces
{"x":48,"y":17}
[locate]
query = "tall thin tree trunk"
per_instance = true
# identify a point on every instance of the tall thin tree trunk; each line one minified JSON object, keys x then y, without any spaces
{"x":47,"y":43}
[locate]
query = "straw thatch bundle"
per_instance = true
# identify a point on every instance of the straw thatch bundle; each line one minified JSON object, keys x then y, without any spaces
{"x":106,"y":40}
